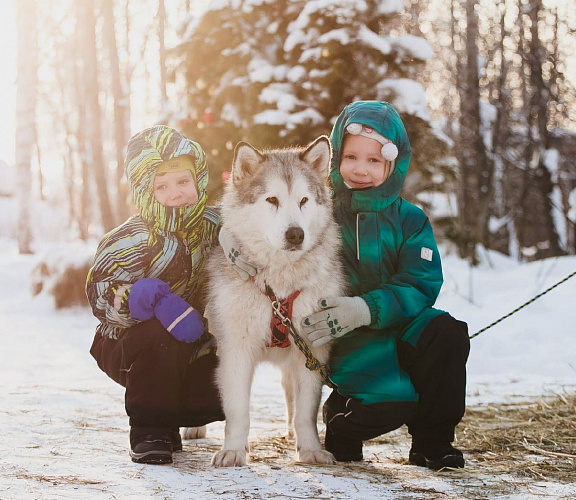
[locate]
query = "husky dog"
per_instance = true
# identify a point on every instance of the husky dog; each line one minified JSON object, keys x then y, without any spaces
{"x":277,"y":206}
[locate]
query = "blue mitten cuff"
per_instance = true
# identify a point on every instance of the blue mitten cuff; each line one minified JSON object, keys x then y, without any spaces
{"x":181,"y":320}
{"x":144,"y":295}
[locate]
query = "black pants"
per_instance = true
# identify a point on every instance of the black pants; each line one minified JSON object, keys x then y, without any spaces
{"x":437,"y":368}
{"x":163,"y":389}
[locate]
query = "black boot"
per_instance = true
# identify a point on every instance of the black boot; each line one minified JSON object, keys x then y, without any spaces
{"x":435,"y":455}
{"x":150,"y":445}
{"x":176,"y":439}
{"x":344,"y":450}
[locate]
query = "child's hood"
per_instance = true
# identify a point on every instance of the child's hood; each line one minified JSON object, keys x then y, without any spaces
{"x":145,"y":152}
{"x":384,"y":119}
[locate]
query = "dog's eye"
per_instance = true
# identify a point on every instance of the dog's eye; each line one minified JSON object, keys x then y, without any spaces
{"x":303,"y":202}
{"x":273,"y":201}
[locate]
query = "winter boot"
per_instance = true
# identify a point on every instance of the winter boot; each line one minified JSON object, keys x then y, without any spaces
{"x":150,"y":445}
{"x":203,"y":346}
{"x":176,"y":439}
{"x":344,"y":450}
{"x":435,"y":455}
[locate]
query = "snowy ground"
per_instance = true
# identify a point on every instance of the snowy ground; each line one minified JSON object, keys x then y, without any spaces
{"x":65,"y":434}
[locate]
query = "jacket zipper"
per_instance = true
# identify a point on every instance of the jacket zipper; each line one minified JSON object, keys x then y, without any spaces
{"x":357,"y":239}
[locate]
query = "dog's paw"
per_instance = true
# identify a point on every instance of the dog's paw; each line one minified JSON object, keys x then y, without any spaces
{"x":194,"y":432}
{"x":316,"y":457}
{"x":229,"y":458}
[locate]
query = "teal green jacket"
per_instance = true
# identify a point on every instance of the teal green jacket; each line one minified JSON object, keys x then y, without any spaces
{"x":392,"y":262}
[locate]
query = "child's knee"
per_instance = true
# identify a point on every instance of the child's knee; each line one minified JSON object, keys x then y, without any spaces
{"x":445,"y":333}
{"x":347,"y":416}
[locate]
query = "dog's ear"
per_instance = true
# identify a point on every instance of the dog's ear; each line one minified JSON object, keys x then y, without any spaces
{"x":318,"y":155}
{"x":246,"y":161}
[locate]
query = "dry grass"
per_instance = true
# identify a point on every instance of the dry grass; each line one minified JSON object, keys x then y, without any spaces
{"x":524,"y":440}
{"x":536,"y":439}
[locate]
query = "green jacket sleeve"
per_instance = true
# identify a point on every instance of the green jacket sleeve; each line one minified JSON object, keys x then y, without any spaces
{"x":414,"y":286}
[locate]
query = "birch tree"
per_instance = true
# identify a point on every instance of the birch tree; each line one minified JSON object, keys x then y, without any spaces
{"x":25,"y":117}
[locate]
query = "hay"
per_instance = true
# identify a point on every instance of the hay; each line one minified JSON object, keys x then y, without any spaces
{"x":535,"y":439}
{"x":507,"y":446}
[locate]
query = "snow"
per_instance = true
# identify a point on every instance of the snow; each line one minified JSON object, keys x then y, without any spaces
{"x":281,"y":95}
{"x":572,"y":206}
{"x":7,"y":179}
{"x":301,"y":32}
{"x":414,"y":46}
{"x":409,"y":96}
{"x":230,"y":113}
{"x":296,"y":73}
{"x":260,"y":71}
{"x":371,"y":39}
{"x":289,"y":120}
{"x":390,"y":7}
{"x":340,"y":35}
{"x":65,"y":432}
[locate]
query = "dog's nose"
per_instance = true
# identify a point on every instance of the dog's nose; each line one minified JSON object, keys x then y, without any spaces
{"x":294,"y":235}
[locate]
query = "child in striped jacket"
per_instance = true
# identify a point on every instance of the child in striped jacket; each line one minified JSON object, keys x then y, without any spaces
{"x":145,"y":288}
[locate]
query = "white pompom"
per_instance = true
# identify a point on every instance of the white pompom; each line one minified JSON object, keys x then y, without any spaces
{"x":389,"y":151}
{"x":354,"y":128}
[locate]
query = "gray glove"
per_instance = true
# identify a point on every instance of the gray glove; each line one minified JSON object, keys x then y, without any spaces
{"x":232,"y":253}
{"x":339,"y":315}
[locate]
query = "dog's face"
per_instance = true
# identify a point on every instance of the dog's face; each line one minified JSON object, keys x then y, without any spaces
{"x":282,"y":196}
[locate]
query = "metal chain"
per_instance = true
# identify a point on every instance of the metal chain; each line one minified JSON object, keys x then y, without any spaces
{"x":312,"y":362}
{"x":522,"y":306}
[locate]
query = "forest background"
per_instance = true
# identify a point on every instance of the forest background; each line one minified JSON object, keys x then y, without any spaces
{"x":486,"y":89}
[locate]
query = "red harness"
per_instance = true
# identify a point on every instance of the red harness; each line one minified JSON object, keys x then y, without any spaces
{"x":280,"y":332}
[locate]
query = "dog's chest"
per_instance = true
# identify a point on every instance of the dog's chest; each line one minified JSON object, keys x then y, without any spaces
{"x":269,"y":316}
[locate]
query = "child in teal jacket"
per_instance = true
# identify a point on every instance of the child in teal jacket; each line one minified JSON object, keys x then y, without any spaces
{"x":395,"y":359}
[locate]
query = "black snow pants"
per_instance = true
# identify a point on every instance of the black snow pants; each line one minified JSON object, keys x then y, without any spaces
{"x":437,"y":368}
{"x":163,"y":387}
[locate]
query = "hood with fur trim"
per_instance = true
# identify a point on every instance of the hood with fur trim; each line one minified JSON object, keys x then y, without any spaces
{"x":384,"y":119}
{"x":145,"y":153}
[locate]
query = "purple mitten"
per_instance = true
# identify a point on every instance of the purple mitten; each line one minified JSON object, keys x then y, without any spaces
{"x":181,"y":320}
{"x":144,"y":295}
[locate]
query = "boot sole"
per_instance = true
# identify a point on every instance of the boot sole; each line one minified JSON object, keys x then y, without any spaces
{"x":348,"y":458}
{"x":446,"y":462}
{"x":152,"y":457}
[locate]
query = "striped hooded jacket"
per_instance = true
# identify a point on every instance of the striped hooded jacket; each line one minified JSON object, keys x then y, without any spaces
{"x":392,"y":262}
{"x":168,"y":243}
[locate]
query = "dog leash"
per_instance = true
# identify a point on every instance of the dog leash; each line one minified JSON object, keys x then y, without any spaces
{"x":311,"y":362}
{"x":522,"y":306}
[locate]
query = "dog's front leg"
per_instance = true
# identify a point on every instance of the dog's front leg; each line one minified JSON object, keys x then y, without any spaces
{"x":308,"y":391}
{"x":288,"y":386}
{"x":235,"y":374}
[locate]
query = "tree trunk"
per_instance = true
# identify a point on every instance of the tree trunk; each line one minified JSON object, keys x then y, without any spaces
{"x":83,"y":214}
{"x":546,"y":239}
{"x":95,"y":155}
{"x":161,"y":24}
{"x":25,"y":117}
{"x":121,"y":98}
{"x":499,"y":239}
{"x":476,"y":173}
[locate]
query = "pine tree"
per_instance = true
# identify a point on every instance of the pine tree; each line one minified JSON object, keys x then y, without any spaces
{"x":277,"y":73}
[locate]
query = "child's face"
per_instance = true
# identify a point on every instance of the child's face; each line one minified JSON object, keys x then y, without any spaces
{"x":362,"y":164}
{"x":175,"y":189}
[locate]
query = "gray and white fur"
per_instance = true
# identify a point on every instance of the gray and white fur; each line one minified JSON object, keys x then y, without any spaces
{"x":277,"y":206}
